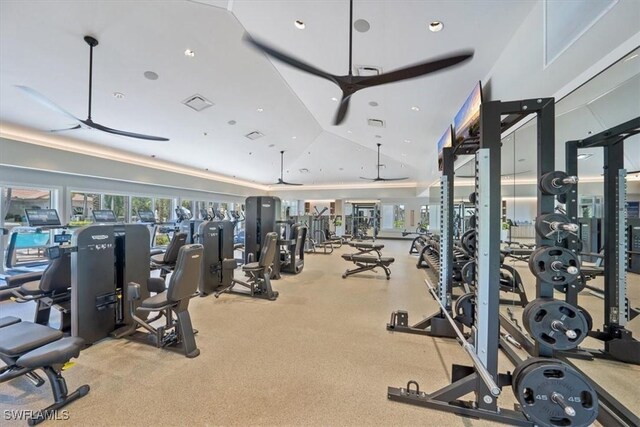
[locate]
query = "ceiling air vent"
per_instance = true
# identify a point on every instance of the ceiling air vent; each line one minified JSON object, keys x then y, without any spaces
{"x":367,"y":70}
{"x":304,"y":170}
{"x":254,"y":135}
{"x":197,"y":102}
{"x":376,"y":123}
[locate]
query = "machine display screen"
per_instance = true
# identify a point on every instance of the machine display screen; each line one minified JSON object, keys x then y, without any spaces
{"x":42,"y":217}
{"x":146,"y":216}
{"x":61,"y":238}
{"x":105,"y":215}
{"x":468,"y":115}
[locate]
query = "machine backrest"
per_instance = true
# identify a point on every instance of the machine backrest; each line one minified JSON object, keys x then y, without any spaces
{"x":268,"y":251}
{"x":177,"y":241}
{"x":57,"y":276}
{"x":187,"y":273}
{"x":299,"y":234}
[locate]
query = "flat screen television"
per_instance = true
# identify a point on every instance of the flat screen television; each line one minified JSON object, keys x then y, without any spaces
{"x":104,"y":216}
{"x":42,"y":218}
{"x":468,"y":117}
{"x":445,"y":141}
{"x":146,"y":216}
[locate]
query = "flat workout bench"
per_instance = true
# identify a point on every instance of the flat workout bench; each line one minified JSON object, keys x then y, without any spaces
{"x":366,"y":248}
{"x":367,"y":262}
{"x":25,"y":347}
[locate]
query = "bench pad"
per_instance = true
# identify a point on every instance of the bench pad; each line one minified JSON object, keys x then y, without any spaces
{"x":22,"y":337}
{"x":368,"y":259}
{"x":54,"y":353}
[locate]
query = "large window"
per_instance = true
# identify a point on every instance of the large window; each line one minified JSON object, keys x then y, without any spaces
{"x":163,"y":210}
{"x":82,"y":206}
{"x":118,"y":204}
{"x":140,"y":204}
{"x":393,"y":217}
{"x":15,"y":200}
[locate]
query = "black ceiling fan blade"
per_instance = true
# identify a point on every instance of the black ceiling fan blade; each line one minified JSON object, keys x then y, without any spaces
{"x":37,"y":96}
{"x":417,"y":70}
{"x":342,"y":110}
{"x":288,"y":59}
{"x":289,"y":183}
{"x":369,"y":179}
{"x":65,"y":129}
{"x":98,"y":126}
{"x":392,"y":179}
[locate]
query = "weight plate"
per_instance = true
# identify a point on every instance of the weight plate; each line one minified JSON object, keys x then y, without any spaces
{"x":544,"y":229}
{"x":554,"y":264}
{"x":555,"y":323}
{"x":577,"y":285}
{"x":464,"y":309}
{"x":472,"y":221}
{"x":562,"y":198}
{"x":469,"y":273}
{"x":587,"y":317}
{"x":472,"y":197}
{"x":551,"y":393}
{"x":468,"y":242}
{"x":547,"y":185}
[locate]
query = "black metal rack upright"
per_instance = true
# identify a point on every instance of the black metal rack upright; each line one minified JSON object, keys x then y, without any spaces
{"x":618,"y":341}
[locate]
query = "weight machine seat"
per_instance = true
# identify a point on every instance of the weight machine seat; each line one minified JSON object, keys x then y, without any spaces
{"x":54,"y":353}
{"x":157,"y":301}
{"x":8,"y":320}
{"x":21,"y":279}
{"x":21,"y":337}
{"x":55,"y":279}
{"x":369,"y":259}
{"x":30,"y":288}
{"x":170,"y":256}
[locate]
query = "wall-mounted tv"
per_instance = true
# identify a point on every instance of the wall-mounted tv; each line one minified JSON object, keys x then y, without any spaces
{"x":445,"y":141}
{"x":469,"y":115}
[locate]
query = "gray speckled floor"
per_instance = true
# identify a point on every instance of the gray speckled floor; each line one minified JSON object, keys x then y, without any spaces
{"x":319,"y":355}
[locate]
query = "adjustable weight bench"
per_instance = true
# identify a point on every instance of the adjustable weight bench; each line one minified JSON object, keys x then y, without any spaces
{"x":366,"y":248}
{"x":367,"y":262}
{"x":25,"y":347}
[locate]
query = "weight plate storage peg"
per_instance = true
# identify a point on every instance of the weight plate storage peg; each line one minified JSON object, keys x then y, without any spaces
{"x":555,"y":323}
{"x":554,"y":264}
{"x":552,"y":394}
{"x":557,"y":182}
{"x":555,"y":226}
{"x":468,"y":242}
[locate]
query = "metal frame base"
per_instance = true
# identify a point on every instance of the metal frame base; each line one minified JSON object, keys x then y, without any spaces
{"x":435,"y":325}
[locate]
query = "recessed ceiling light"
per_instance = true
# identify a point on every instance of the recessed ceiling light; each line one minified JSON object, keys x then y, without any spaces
{"x":150,"y":75}
{"x":406,"y":141}
{"x":341,"y":169}
{"x":205,"y":134}
{"x":378,"y":136}
{"x":521,"y":160}
{"x":118,"y":95}
{"x":402,"y":165}
{"x":404,"y":154}
{"x":635,"y":55}
{"x":362,"y":25}
{"x":349,"y":131}
{"x":373,"y":103}
{"x":334,"y":99}
{"x":299,"y":24}
{"x":415,"y":108}
{"x":583,"y":156}
{"x":231,"y":122}
{"x":190,"y":53}
{"x":260,"y":110}
{"x":272,"y":145}
{"x":153,"y":155}
{"x":294,"y":137}
{"x":436,"y":26}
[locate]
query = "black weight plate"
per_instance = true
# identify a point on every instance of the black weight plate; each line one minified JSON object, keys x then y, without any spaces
{"x":587,"y":317}
{"x":542,"y":319}
{"x":472,"y":197}
{"x":547,"y":186}
{"x":544,"y":229}
{"x":464,"y":309}
{"x":541,"y":263}
{"x":468,"y":242}
{"x":472,"y":221}
{"x":469,"y":273}
{"x":537,"y":380}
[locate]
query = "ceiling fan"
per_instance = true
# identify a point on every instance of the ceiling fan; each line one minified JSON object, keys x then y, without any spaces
{"x":281,"y":180}
{"x":350,"y":84}
{"x":377,"y":179}
{"x":88,"y":123}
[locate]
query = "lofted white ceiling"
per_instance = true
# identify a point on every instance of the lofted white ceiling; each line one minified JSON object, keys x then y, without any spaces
{"x":41,"y":46}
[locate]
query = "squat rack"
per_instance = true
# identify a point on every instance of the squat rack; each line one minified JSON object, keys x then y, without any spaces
{"x":483,"y":377}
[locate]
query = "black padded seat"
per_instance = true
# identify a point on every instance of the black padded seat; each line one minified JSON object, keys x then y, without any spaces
{"x":21,"y":337}
{"x":157,"y":301}
{"x":54,"y":353}
{"x":252,"y":266}
{"x":31,"y":288}
{"x":158,"y":258}
{"x":363,"y":245}
{"x":368,"y":259}
{"x":21,"y":279}
{"x":9,"y":320}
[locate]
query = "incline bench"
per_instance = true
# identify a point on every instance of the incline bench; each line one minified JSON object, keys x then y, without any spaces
{"x":365,"y":260}
{"x":25,"y":347}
